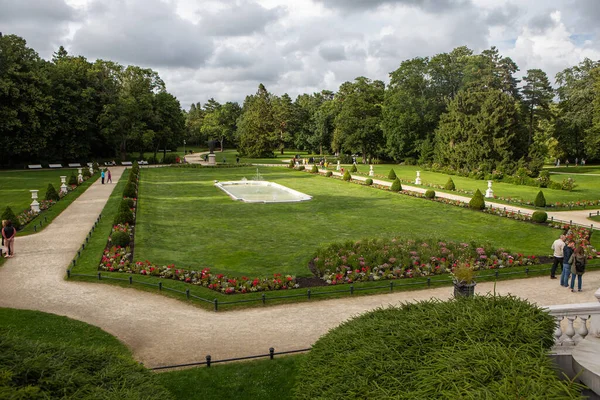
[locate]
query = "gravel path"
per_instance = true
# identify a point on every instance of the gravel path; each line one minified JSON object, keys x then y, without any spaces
{"x":163,"y":331}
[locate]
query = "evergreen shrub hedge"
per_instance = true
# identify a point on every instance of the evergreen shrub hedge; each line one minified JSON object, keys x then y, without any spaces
{"x":353,"y":168}
{"x":450,"y":184}
{"x":392,"y":174}
{"x":539,"y":216}
{"x":120,"y":238}
{"x":430,"y":193}
{"x":314,"y":169}
{"x":51,"y":193}
{"x":368,"y":181}
{"x":8,"y":214}
{"x":328,"y":174}
{"x":540,"y":200}
{"x":477,"y":201}
{"x":396,"y":185}
{"x":347,"y":177}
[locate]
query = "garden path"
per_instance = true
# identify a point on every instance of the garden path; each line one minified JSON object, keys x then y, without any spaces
{"x":576,"y":216}
{"x":164,"y":331}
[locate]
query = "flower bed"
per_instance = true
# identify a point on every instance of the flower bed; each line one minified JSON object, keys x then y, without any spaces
{"x":375,"y":259}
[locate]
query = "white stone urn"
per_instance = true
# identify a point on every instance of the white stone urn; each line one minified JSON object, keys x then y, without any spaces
{"x":371,"y":172}
{"x":80,"y":176}
{"x":63,"y":184}
{"x":91,"y":170}
{"x":418,"y":180}
{"x":338,"y":166}
{"x":489,"y":193}
{"x":35,"y":206}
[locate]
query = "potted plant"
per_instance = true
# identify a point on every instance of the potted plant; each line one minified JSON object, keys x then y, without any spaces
{"x":463,"y":277}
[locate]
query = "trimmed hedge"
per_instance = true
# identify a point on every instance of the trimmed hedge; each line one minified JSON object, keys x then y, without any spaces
{"x":73,"y":179}
{"x":540,"y":200}
{"x":430,"y":194}
{"x":353,"y":168}
{"x":120,"y":238}
{"x":392,"y":174}
{"x":539,"y":216}
{"x":124,"y":217}
{"x":86,"y":173}
{"x":368,"y":181}
{"x":396,"y":185}
{"x":492,"y":347}
{"x":347,"y":177}
{"x":8,"y":214}
{"x":450,"y":184}
{"x":314,"y":170}
{"x":51,"y":193}
{"x":130,"y":190}
{"x":328,"y":174}
{"x":477,"y":201}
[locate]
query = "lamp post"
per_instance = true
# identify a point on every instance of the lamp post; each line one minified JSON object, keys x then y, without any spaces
{"x":184,"y":151}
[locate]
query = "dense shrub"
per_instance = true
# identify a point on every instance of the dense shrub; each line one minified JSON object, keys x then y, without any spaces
{"x":37,"y":370}
{"x":125,"y":205}
{"x":169,"y":158}
{"x":368,"y":181}
{"x":314,"y":169}
{"x":86,"y":173}
{"x":450,"y":184}
{"x":568,"y":184}
{"x":353,"y":168}
{"x":95,"y":166}
{"x":135,"y":168}
{"x":492,"y":347}
{"x":73,"y":179}
{"x":51,"y":193}
{"x":539,"y":216}
{"x":540,"y":200}
{"x":8,"y":214}
{"x":410,"y":161}
{"x":347,"y":176}
{"x":291,"y":165}
{"x":301,"y":168}
{"x":396,"y":185}
{"x":392,"y":174}
{"x":124,"y":217}
{"x":477,"y":201}
{"x":328,"y":174}
{"x":129,"y":202}
{"x":544,"y":179}
{"x":430,"y":193}
{"x":130,"y":190}
{"x":120,"y":238}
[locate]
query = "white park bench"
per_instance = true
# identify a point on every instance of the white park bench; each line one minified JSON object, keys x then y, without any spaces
{"x":90,"y":164}
{"x":126,"y":163}
{"x":143,"y":162}
{"x":35,"y":166}
{"x":55,"y":165}
{"x":74,"y":165}
{"x":110,"y":163}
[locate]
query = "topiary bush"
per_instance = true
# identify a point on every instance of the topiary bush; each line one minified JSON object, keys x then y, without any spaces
{"x":539,"y":216}
{"x":86,"y":173}
{"x":130,"y":190}
{"x":170,"y":158}
{"x":392,"y":174}
{"x":9,"y":215}
{"x":51,"y":193}
{"x":291,"y":165}
{"x":72,"y":179}
{"x":328,"y":174}
{"x":347,"y":177}
{"x":125,"y":205}
{"x":396,"y":185}
{"x":314,"y":169}
{"x":540,"y":200}
{"x":120,"y":238}
{"x":494,"y":347}
{"x":368,"y":181}
{"x":124,"y":217}
{"x":449,"y":185}
{"x":301,"y":168}
{"x":430,"y":194}
{"x":353,"y":168}
{"x":477,"y":201}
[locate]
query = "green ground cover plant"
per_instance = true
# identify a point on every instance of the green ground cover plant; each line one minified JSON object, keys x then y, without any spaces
{"x":48,"y":356}
{"x":171,"y":196}
{"x":484,"y":347}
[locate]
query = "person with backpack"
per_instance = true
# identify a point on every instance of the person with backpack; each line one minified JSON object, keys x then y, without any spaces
{"x":578,"y":260}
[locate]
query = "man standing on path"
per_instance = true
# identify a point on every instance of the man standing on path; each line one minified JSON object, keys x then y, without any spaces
{"x":8,"y":234}
{"x":566,"y":269}
{"x":558,"y":247}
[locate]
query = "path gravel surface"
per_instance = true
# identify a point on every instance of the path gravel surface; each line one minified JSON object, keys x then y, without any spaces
{"x":163,"y":331}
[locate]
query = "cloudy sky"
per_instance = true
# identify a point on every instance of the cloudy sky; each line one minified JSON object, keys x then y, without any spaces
{"x":224,"y":49}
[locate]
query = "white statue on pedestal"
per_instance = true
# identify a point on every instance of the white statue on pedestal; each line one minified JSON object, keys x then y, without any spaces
{"x":489,"y":193}
{"x":338,"y":166}
{"x":418,"y":180}
{"x":63,"y":184}
{"x":80,"y":176}
{"x":35,"y":206}
{"x":371,"y":172}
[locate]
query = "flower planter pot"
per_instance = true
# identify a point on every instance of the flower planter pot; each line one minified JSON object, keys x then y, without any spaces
{"x":464,"y":290}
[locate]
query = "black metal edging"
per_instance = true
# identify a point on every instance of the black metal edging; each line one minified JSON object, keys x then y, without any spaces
{"x":209,"y":360}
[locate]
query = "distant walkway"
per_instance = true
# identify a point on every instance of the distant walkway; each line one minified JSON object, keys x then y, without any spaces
{"x":163,"y":331}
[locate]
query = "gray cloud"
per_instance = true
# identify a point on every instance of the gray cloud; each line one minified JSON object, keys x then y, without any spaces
{"x":240,"y":19}
{"x":334,"y":52}
{"x":43,"y":23}
{"x":432,"y":6}
{"x":505,"y":15}
{"x":142,"y":32}
{"x":541,"y":22}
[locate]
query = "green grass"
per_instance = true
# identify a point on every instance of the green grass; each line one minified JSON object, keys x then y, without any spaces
{"x":15,"y":186}
{"x":262,"y":379}
{"x":587,"y":188}
{"x":184,"y":219}
{"x":231,"y":154}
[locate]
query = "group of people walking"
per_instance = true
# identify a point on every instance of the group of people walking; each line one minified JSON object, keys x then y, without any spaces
{"x":8,"y":238}
{"x":106,"y":174}
{"x":573,"y":261}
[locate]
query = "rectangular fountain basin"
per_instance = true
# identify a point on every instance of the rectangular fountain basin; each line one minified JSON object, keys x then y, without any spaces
{"x":261,"y":192}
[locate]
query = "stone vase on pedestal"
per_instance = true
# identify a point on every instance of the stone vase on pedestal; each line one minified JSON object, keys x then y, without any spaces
{"x":489,"y":193}
{"x":212,"y":159}
{"x":35,"y":206}
{"x":338,"y":166}
{"x":63,"y":184}
{"x":80,"y":176}
{"x":418,"y":180}
{"x":371,"y":172}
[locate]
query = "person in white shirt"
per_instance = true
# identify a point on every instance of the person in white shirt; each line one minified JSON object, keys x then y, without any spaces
{"x":558,"y":247}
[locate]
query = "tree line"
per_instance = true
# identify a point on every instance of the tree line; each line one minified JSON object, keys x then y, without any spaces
{"x":70,"y":109}
{"x":460,"y":110}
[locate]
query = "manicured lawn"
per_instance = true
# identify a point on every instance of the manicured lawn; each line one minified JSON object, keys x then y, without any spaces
{"x":15,"y":186}
{"x":262,"y":379}
{"x":588,"y":187}
{"x":231,"y":154}
{"x":185,"y":220}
